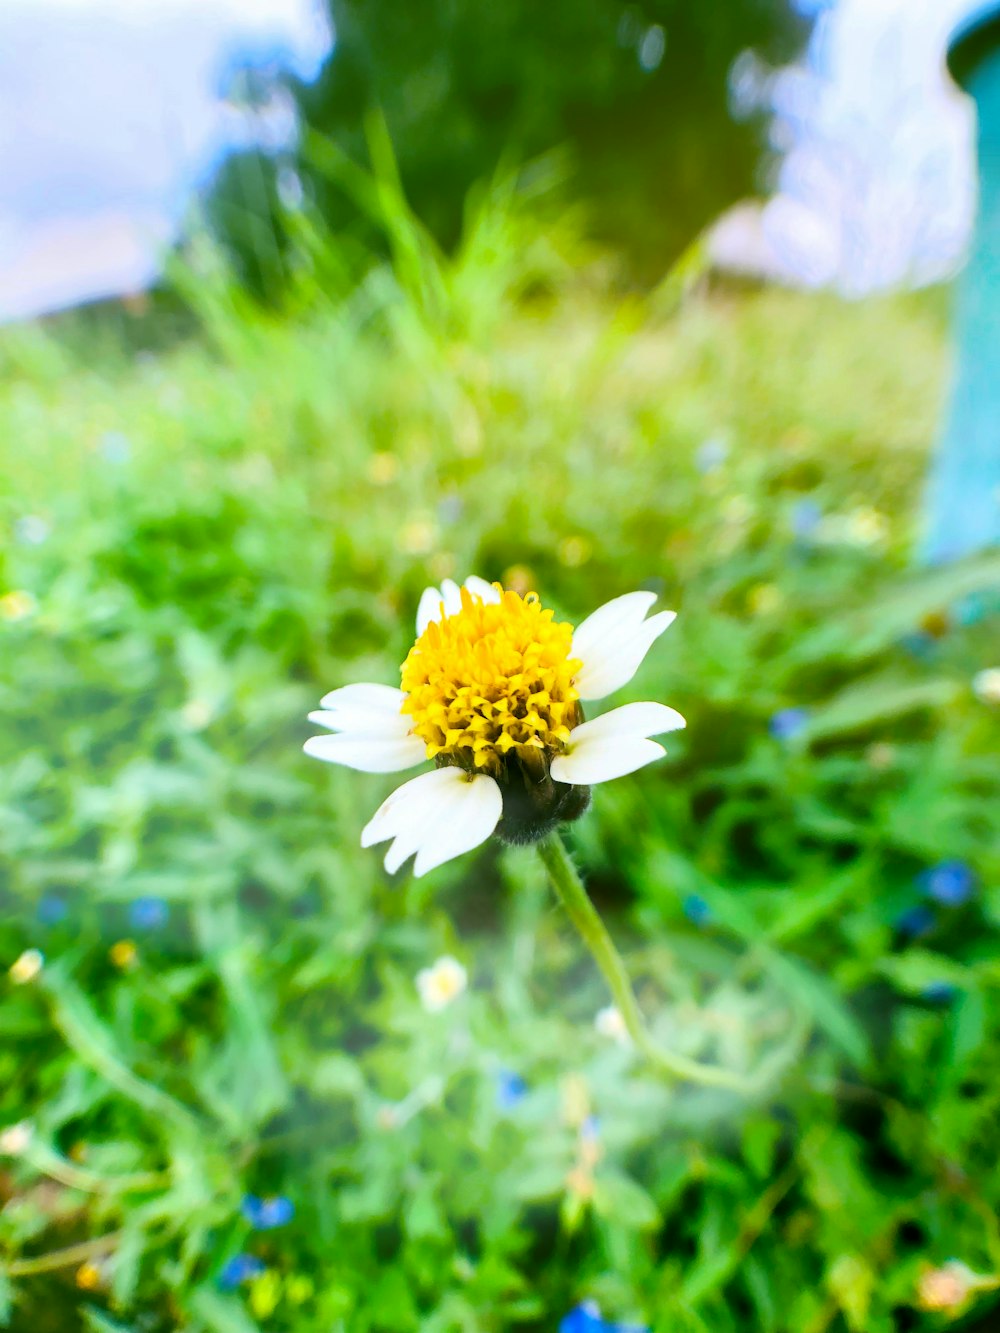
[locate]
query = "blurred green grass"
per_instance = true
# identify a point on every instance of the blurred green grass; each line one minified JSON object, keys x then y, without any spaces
{"x":236,"y":523}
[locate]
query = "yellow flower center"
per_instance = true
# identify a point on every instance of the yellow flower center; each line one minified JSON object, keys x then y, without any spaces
{"x":492,"y":679}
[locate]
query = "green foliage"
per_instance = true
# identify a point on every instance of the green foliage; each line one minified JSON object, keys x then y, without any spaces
{"x":636,"y":96}
{"x":245,"y":521}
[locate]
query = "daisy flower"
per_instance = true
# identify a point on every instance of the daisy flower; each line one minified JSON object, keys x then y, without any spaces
{"x":442,"y":983}
{"x":492,"y":693}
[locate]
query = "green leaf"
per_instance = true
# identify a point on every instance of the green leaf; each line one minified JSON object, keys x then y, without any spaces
{"x":621,"y":1199}
{"x":825,"y":1007}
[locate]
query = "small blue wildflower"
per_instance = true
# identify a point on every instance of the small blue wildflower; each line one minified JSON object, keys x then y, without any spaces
{"x":450,"y":509}
{"x":148,"y":913}
{"x":786,"y":724}
{"x":115,"y":447}
{"x":239,"y":1269}
{"x":971,"y":609}
{"x":586,"y":1318}
{"x":697,"y":910}
{"x":916,"y":921}
{"x":511,"y":1089}
{"x":31,"y":530}
{"x":266,"y":1214}
{"x":806,"y":518}
{"x":52,"y":909}
{"x":939,"y":992}
{"x":590,"y":1130}
{"x":919,"y":644}
{"x":951,"y":883}
{"x":712,"y":454}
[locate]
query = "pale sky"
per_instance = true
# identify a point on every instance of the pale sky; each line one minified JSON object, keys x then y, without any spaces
{"x":112,"y":113}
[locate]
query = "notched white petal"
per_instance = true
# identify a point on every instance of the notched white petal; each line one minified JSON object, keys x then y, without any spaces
{"x":601,"y":759}
{"x":627,"y":610}
{"x":368,"y":753}
{"x":483,"y":590}
{"x":368,"y":695}
{"x":450,"y":596}
{"x":612,"y":656}
{"x":640,"y":719}
{"x":438,"y":816}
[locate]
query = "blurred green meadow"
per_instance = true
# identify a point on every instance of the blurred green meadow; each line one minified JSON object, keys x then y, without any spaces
{"x":224,"y":1106}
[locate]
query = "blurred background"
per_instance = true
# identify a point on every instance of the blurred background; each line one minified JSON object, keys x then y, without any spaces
{"x":307,"y":304}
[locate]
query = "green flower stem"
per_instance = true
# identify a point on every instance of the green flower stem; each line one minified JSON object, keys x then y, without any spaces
{"x":582,"y":912}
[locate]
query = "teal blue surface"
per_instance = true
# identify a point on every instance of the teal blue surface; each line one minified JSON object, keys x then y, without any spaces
{"x":963,"y":498}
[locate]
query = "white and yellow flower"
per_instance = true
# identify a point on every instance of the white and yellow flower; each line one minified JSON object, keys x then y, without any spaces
{"x":441,"y":983}
{"x":492,"y":693}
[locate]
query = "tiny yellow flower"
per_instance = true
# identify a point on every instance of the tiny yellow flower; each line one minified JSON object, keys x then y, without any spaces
{"x":26,"y":968}
{"x":124,"y":954}
{"x":265,"y":1293}
{"x":418,"y":537}
{"x":439,"y":985}
{"x":574,"y":552}
{"x":16,"y":1139}
{"x":89,"y":1277}
{"x":866,"y":526}
{"x":17,"y":605}
{"x":764,"y":599}
{"x":519,"y":579}
{"x":382,"y":469}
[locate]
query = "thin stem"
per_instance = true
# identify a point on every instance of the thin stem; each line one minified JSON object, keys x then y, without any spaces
{"x":73,"y":1254}
{"x":573,"y":896}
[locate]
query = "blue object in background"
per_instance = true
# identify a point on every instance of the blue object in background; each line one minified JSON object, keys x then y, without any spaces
{"x":697,"y":910}
{"x":786,"y":724}
{"x":511,"y":1089}
{"x":962,"y":506}
{"x":239,"y":1269}
{"x":148,"y":913}
{"x":266,"y":1214}
{"x":950,"y":883}
{"x":916,"y":921}
{"x":586,"y":1318}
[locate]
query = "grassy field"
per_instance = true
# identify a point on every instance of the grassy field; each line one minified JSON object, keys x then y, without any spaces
{"x":201,"y":538}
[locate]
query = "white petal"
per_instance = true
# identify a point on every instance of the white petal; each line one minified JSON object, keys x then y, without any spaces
{"x":620,"y":612}
{"x":481,"y":589}
{"x":645,"y":719}
{"x":612,"y":661}
{"x":428,"y":608}
{"x":384,"y":697}
{"x":468,"y":815}
{"x":438,"y":815}
{"x":364,"y":709}
{"x":368,"y":754}
{"x":450,"y":594}
{"x":407,"y":804}
{"x":602,"y":759}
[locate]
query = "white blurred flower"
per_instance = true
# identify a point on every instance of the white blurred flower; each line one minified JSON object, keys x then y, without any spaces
{"x":16,"y":1139}
{"x":27,"y":967}
{"x":441,"y":983}
{"x":609,"y":1023}
{"x":31,"y":530}
{"x":986,"y":685}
